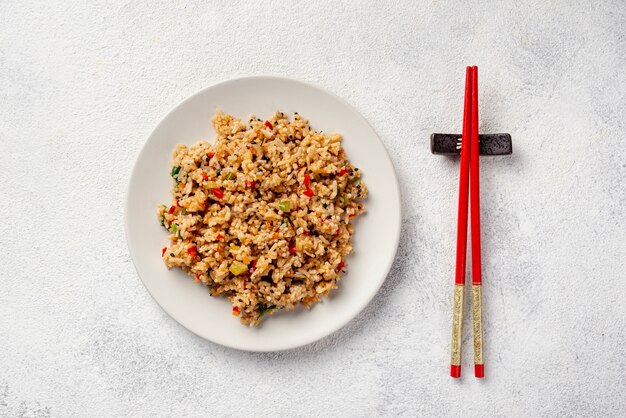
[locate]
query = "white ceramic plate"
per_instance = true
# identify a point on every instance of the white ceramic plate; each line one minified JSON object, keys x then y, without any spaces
{"x":376,"y":233}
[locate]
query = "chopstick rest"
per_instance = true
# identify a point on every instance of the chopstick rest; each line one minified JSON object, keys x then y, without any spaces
{"x":488,"y":144}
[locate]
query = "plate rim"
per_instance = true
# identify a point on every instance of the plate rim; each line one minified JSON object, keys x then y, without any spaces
{"x":396,"y":234}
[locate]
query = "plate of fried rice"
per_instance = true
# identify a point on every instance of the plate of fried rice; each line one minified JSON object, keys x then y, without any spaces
{"x":263,"y":213}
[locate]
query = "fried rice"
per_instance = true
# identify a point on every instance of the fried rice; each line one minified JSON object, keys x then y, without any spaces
{"x":263,"y":215}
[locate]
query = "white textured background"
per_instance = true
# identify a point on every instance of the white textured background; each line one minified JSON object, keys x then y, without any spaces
{"x":81,"y":88}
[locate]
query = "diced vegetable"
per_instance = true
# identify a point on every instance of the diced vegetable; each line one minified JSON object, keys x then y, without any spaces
{"x":308,"y":192}
{"x":340,"y":266}
{"x":285,"y":206}
{"x":211,"y":154}
{"x":238,"y":268}
{"x":217,"y":193}
{"x":269,"y":124}
{"x":292,"y":250}
{"x":343,"y":172}
{"x":263,"y":309}
{"x":205,"y":176}
{"x":250,"y":184}
{"x":220,"y":236}
{"x":307,"y":180}
{"x":193,"y":251}
{"x":230,"y":175}
{"x":175,"y":171}
{"x":306,"y":233}
{"x":235,"y":311}
{"x":174,"y":227}
{"x":172,"y":209}
{"x":163,"y":251}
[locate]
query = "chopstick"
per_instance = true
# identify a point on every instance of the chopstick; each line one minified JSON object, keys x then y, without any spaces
{"x":479,"y":368}
{"x":461,"y":243}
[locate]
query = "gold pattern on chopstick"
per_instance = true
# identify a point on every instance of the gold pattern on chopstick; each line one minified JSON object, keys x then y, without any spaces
{"x":457,"y":324}
{"x":477,"y":309}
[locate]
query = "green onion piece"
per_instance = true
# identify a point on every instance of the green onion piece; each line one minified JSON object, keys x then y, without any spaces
{"x":183,"y":211}
{"x":265,"y":309}
{"x":285,"y":206}
{"x":218,"y":172}
{"x":175,"y":171}
{"x":174,"y":227}
{"x":230,"y":175}
{"x":238,"y":268}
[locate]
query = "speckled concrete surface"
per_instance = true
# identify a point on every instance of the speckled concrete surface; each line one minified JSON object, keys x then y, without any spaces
{"x":82,"y":87}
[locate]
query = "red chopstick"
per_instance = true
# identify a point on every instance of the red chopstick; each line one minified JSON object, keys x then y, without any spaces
{"x":461,"y":243}
{"x":479,"y":368}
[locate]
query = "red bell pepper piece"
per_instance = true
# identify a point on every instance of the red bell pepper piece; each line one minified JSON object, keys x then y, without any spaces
{"x":217,"y":193}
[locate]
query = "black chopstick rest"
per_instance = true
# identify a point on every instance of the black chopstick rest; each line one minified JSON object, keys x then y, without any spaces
{"x":490,"y":144}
